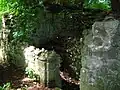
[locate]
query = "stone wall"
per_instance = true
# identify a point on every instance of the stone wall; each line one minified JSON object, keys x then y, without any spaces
{"x":101,"y":57}
{"x":45,"y":64}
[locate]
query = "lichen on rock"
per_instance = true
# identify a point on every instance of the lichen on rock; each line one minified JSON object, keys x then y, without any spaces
{"x":100,"y":57}
{"x":45,"y":64}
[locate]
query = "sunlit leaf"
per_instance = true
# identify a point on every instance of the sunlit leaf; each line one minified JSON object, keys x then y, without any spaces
{"x":97,"y":4}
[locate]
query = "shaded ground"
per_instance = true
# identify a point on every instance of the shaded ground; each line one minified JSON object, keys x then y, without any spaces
{"x":19,"y":80}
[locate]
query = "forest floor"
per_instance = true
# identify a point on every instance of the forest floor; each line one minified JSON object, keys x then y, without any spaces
{"x":19,"y":81}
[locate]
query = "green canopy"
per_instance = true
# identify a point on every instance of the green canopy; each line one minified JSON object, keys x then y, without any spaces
{"x":98,"y":4}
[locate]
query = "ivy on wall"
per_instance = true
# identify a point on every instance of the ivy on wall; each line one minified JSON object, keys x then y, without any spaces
{"x":25,"y":15}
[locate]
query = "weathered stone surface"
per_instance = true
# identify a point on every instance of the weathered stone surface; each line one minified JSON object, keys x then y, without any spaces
{"x":101,"y":57}
{"x":45,"y":64}
{"x":4,"y":32}
{"x":48,"y":29}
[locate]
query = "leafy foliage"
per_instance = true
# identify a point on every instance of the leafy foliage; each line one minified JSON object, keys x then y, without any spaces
{"x":30,"y":73}
{"x":6,"y":86}
{"x":25,"y":16}
{"x":97,"y":4}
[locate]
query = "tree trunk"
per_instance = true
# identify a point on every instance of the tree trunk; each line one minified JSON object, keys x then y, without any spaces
{"x":3,"y":42}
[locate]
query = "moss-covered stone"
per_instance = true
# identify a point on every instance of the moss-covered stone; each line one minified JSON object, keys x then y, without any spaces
{"x":100,"y":57}
{"x":45,"y":64}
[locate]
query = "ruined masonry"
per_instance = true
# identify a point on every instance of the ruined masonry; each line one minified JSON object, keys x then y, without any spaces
{"x":45,"y":64}
{"x":101,"y":57}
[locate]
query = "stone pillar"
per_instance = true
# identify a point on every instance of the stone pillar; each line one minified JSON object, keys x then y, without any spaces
{"x":48,"y":64}
{"x":4,"y":41}
{"x":101,"y":57}
{"x":44,"y":64}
